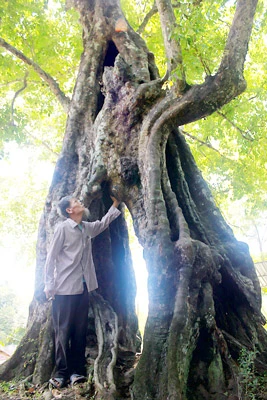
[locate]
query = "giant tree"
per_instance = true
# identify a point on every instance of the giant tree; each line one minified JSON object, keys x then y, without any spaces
{"x":123,"y":136}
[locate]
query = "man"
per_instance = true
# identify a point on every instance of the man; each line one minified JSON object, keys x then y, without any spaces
{"x":69,"y":276}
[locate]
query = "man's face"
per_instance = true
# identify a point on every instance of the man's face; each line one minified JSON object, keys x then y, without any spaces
{"x":76,"y":207}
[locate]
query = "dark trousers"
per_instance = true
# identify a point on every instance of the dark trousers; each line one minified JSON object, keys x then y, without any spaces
{"x":70,"y":319}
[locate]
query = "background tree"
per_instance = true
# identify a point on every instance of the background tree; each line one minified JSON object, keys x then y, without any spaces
{"x":122,"y":136}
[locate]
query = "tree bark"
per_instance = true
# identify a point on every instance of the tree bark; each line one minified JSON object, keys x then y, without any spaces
{"x":122,"y":137}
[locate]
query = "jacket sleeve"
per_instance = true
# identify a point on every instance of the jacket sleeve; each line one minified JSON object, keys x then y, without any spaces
{"x":95,"y":228}
{"x":54,"y":249}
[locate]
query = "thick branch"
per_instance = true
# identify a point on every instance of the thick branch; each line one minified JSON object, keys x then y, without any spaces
{"x":172,"y":45}
{"x":62,"y":98}
{"x":237,"y":43}
{"x":149,"y":15}
{"x":202,"y":100}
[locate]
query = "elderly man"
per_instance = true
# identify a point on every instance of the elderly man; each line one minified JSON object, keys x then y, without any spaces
{"x":69,"y":276}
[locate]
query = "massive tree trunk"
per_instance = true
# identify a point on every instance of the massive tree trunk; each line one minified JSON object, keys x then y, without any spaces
{"x":123,"y":137}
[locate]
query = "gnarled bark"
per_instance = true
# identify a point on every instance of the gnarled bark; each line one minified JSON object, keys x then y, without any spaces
{"x":122,"y":136}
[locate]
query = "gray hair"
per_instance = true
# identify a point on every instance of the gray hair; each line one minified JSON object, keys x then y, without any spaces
{"x":63,"y":204}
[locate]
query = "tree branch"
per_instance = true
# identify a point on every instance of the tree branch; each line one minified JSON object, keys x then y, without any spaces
{"x":172,"y":45}
{"x":42,"y":143}
{"x":11,"y":82}
{"x":62,"y":98}
{"x":237,"y":43}
{"x":12,"y":116}
{"x":203,"y":62}
{"x":149,"y":15}
{"x":16,"y":95}
{"x":204,"y":144}
{"x":246,"y":135}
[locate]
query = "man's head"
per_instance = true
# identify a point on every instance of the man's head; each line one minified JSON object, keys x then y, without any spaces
{"x":70,"y":207}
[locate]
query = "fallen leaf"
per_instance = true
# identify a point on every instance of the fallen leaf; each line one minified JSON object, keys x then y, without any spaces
{"x":56,"y":393}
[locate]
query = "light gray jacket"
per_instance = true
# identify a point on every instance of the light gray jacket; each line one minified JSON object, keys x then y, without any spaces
{"x":69,"y":260}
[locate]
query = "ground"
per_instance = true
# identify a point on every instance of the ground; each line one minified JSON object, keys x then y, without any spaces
{"x":24,"y":390}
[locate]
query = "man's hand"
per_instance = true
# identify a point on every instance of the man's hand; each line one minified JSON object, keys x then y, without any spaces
{"x":49,"y":294}
{"x":116,"y":202}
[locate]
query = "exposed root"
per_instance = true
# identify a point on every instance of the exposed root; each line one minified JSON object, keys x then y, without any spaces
{"x":106,"y":323}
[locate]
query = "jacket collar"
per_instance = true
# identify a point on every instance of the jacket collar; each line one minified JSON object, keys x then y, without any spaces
{"x":72,"y":223}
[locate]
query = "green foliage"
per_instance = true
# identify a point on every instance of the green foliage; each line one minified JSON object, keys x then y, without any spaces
{"x":20,"y":389}
{"x":23,"y":191}
{"x":230,"y":146}
{"x":11,"y":126}
{"x":12,"y":321}
{"x":202,"y":49}
{"x":46,"y":33}
{"x":4,"y":386}
{"x":7,"y":387}
{"x":21,"y":188}
{"x":231,"y":152}
{"x":253,"y":386}
{"x":249,"y":382}
{"x":50,"y":36}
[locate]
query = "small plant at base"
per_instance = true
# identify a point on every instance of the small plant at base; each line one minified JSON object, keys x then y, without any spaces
{"x":248,"y":381}
{"x":7,"y":387}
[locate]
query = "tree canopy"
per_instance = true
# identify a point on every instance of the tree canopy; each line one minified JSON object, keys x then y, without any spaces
{"x":40,"y":50}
